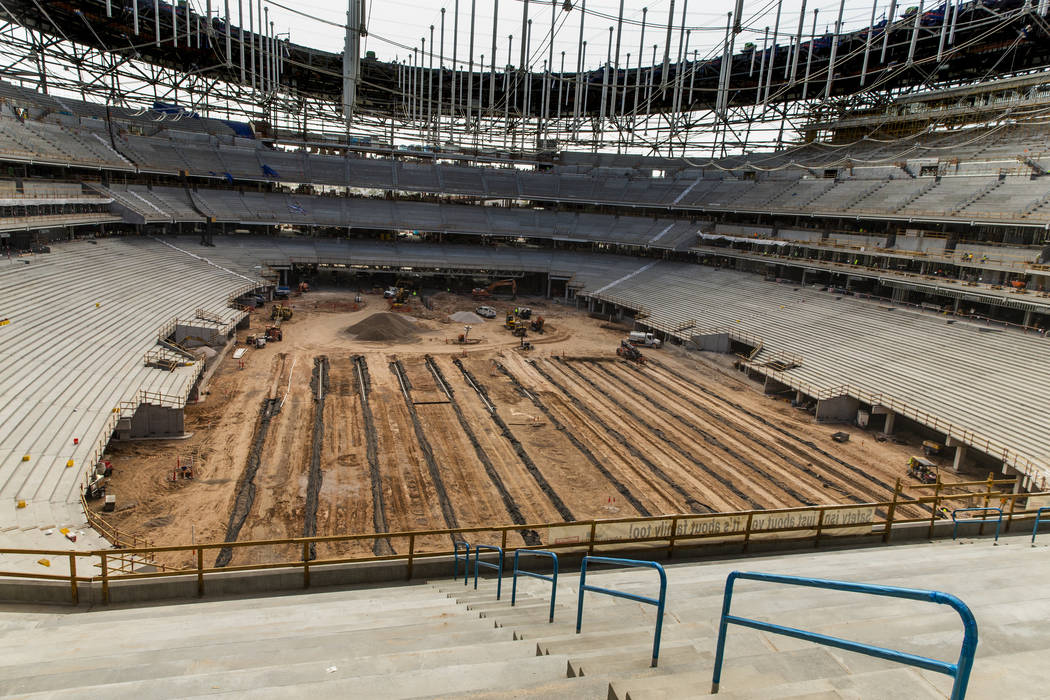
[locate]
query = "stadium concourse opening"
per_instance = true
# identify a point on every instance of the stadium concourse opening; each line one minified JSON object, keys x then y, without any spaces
{"x":418,"y":430}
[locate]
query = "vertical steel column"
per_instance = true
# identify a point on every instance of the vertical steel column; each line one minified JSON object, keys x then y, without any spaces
{"x":867,"y":42}
{"x":174,"y":27}
{"x":226,"y":29}
{"x":667,"y":50}
{"x":834,"y":50}
{"x":915,"y":35}
{"x":441,"y":78}
{"x":430,"y":83}
{"x":455,"y":69}
{"x":944,"y":29}
{"x":798,"y":42}
{"x":264,"y":45}
{"x":135,"y":16}
{"x":773,"y":55}
{"x":809,"y":59}
{"x":726,"y":58}
{"x":955,"y":18}
{"x":638,"y":72}
{"x":762,"y":67}
{"x":889,"y":25}
{"x":492,"y":78}
{"x":616,"y":63}
{"x":470,"y":62}
{"x":524,"y":34}
{"x":581,"y":46}
{"x":240,"y":28}
{"x":526,"y":101}
{"x":605,"y":78}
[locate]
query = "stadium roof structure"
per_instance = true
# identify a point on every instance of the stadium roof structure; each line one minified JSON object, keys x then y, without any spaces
{"x":741,"y":94}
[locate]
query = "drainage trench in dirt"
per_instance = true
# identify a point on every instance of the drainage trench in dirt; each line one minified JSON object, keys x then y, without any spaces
{"x":694,"y":505}
{"x":559,"y":505}
{"x":319,"y":389}
{"x":714,"y":441}
{"x":768,"y":445}
{"x":424,"y":445}
{"x":530,"y":537}
{"x":692,"y":459}
{"x":364,"y":387}
{"x":558,"y":425}
{"x":242,"y":503}
{"x":792,"y":436}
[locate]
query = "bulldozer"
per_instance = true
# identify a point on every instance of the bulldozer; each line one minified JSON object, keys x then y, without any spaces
{"x":630,"y":353}
{"x":280,"y":312}
{"x":510,"y":322}
{"x":486,"y":292}
{"x":537,"y":324}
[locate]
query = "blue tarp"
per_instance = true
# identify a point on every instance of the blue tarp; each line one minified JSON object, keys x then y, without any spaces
{"x":267,"y":170}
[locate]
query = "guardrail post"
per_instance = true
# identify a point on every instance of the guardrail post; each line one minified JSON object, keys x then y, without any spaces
{"x":887,"y":529}
{"x":306,"y":564}
{"x":936,"y":504}
{"x":74,"y":594}
{"x":411,"y":555}
{"x":671,"y":539}
{"x":200,"y":572}
{"x":105,"y":577}
{"x":747,"y":530}
{"x":594,"y":528}
{"x":820,"y":526}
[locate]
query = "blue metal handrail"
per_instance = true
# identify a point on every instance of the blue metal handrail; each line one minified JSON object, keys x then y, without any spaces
{"x":658,"y":602}
{"x":553,"y":578}
{"x":960,"y":670}
{"x":497,"y":567}
{"x":956,"y":521}
{"x":456,"y":544}
{"x":1039,"y":519}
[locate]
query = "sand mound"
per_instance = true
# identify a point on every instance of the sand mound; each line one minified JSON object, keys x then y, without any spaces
{"x":466,"y":317}
{"x":384,"y":326}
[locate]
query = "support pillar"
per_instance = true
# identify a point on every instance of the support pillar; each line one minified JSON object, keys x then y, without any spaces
{"x":960,"y":457}
{"x":1027,"y":318}
{"x":890,"y":420}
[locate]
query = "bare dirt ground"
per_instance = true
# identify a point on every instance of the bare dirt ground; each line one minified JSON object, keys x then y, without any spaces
{"x":431,"y":434}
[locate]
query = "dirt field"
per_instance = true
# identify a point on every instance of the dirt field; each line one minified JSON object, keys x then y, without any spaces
{"x":424,"y":433}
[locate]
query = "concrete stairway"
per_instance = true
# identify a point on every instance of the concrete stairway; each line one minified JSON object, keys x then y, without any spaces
{"x":447,"y":640}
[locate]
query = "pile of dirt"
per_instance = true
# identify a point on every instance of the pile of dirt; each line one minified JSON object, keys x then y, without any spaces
{"x":384,"y":326}
{"x":466,"y":317}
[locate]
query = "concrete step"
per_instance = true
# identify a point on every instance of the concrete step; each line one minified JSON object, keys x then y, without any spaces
{"x":562,"y":689}
{"x":260,"y":627}
{"x":63,"y":673}
{"x":890,"y":684}
{"x":361,"y":640}
{"x":325,"y":680}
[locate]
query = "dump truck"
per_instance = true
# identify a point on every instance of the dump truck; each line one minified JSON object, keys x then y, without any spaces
{"x":649,"y":340}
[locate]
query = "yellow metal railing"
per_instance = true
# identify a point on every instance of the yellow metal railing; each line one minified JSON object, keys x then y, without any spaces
{"x":657,"y":533}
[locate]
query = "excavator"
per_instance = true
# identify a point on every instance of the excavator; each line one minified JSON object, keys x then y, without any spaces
{"x":537,"y":324}
{"x":486,"y":292}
